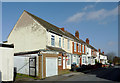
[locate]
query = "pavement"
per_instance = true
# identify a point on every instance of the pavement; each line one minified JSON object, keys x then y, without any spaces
{"x":61,"y":77}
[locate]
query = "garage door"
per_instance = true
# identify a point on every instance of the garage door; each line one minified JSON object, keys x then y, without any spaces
{"x":51,"y":66}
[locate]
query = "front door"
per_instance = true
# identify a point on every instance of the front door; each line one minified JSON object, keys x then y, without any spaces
{"x":63,"y":62}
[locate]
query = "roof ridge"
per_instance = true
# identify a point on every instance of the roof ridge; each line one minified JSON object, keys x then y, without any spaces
{"x":39,"y":18}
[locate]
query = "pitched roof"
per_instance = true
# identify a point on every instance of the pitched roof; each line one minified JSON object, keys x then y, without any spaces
{"x":56,"y":29}
{"x":55,"y":49}
{"x":46,"y":24}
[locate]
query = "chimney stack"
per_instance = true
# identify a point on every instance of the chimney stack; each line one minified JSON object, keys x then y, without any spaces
{"x":87,"y":40}
{"x":62,"y":29}
{"x":77,"y":34}
{"x":103,"y":53}
{"x":99,"y":50}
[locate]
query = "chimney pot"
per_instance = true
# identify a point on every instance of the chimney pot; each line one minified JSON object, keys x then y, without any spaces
{"x":62,"y":29}
{"x":77,"y":34}
{"x":103,"y":52}
{"x":99,"y":50}
{"x":87,"y":40}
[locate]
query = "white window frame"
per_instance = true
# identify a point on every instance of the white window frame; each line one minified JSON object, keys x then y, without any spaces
{"x":78,"y":60}
{"x":63,"y":42}
{"x":86,"y":49}
{"x":74,"y":46}
{"x":60,"y":42}
{"x":59,"y":60}
{"x":68,"y":62}
{"x":68,"y":44}
{"x":82,"y":48}
{"x":52,"y":40}
{"x":83,"y":59}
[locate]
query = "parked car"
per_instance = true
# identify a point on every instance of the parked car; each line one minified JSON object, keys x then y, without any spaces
{"x":73,"y":66}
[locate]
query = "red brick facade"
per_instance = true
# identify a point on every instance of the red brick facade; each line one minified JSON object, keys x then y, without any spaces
{"x":78,"y":50}
{"x":61,"y":66}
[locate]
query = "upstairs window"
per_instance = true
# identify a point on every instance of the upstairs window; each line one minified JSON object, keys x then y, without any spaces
{"x":59,"y":42}
{"x":52,"y":40}
{"x":86,"y":49}
{"x":74,"y":46}
{"x":63,"y":42}
{"x":82,"y":48}
{"x":68,"y":44}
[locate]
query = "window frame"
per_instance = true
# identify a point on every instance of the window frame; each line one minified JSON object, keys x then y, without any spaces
{"x":80,"y":48}
{"x":68,"y":44}
{"x":83,"y":48}
{"x":59,"y":60}
{"x":68,"y":61}
{"x":59,"y":41}
{"x":75,"y":47}
{"x":52,"y":40}
{"x":63,"y":42}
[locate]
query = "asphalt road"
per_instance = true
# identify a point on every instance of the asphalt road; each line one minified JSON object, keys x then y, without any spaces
{"x":101,"y":74}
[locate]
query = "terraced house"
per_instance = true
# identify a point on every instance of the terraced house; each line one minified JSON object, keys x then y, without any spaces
{"x":43,"y":49}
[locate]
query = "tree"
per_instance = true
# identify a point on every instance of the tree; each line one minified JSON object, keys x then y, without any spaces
{"x":116,"y":60}
{"x":110,"y":57}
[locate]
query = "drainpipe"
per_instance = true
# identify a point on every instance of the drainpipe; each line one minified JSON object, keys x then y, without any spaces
{"x":42,"y":61}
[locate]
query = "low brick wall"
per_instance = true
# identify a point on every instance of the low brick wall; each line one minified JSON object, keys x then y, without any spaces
{"x":44,"y":64}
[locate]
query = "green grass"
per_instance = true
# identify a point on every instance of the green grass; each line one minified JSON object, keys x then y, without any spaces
{"x":63,"y":72}
{"x":24,"y":77}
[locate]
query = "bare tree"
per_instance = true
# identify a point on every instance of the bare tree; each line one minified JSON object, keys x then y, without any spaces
{"x":110,"y":56}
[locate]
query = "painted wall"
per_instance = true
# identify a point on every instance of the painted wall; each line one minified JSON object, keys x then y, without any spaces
{"x":65,"y":47}
{"x":22,"y":63}
{"x":6,"y":63}
{"x":27,"y":35}
{"x":97,"y":58}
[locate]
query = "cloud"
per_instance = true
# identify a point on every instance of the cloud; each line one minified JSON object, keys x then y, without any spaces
{"x":111,"y":43}
{"x":76,"y":17}
{"x":93,"y":15}
{"x":88,"y":7}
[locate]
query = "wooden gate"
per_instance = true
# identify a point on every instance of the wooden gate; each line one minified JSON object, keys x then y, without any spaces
{"x":32,"y":66}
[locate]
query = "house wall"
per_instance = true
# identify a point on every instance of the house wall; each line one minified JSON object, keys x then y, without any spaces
{"x":97,"y":58}
{"x":27,"y":35}
{"x":6,"y":64}
{"x":78,"y":52}
{"x":88,"y":55}
{"x":65,"y":47}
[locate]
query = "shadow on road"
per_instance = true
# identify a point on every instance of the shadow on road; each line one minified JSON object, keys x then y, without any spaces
{"x":112,"y":74}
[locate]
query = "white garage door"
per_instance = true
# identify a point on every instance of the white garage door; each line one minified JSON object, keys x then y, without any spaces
{"x":51,"y":66}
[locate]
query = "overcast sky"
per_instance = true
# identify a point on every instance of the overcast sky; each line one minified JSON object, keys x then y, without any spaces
{"x":97,"y":21}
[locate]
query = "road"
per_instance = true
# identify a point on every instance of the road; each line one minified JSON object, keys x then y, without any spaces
{"x":101,"y":74}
